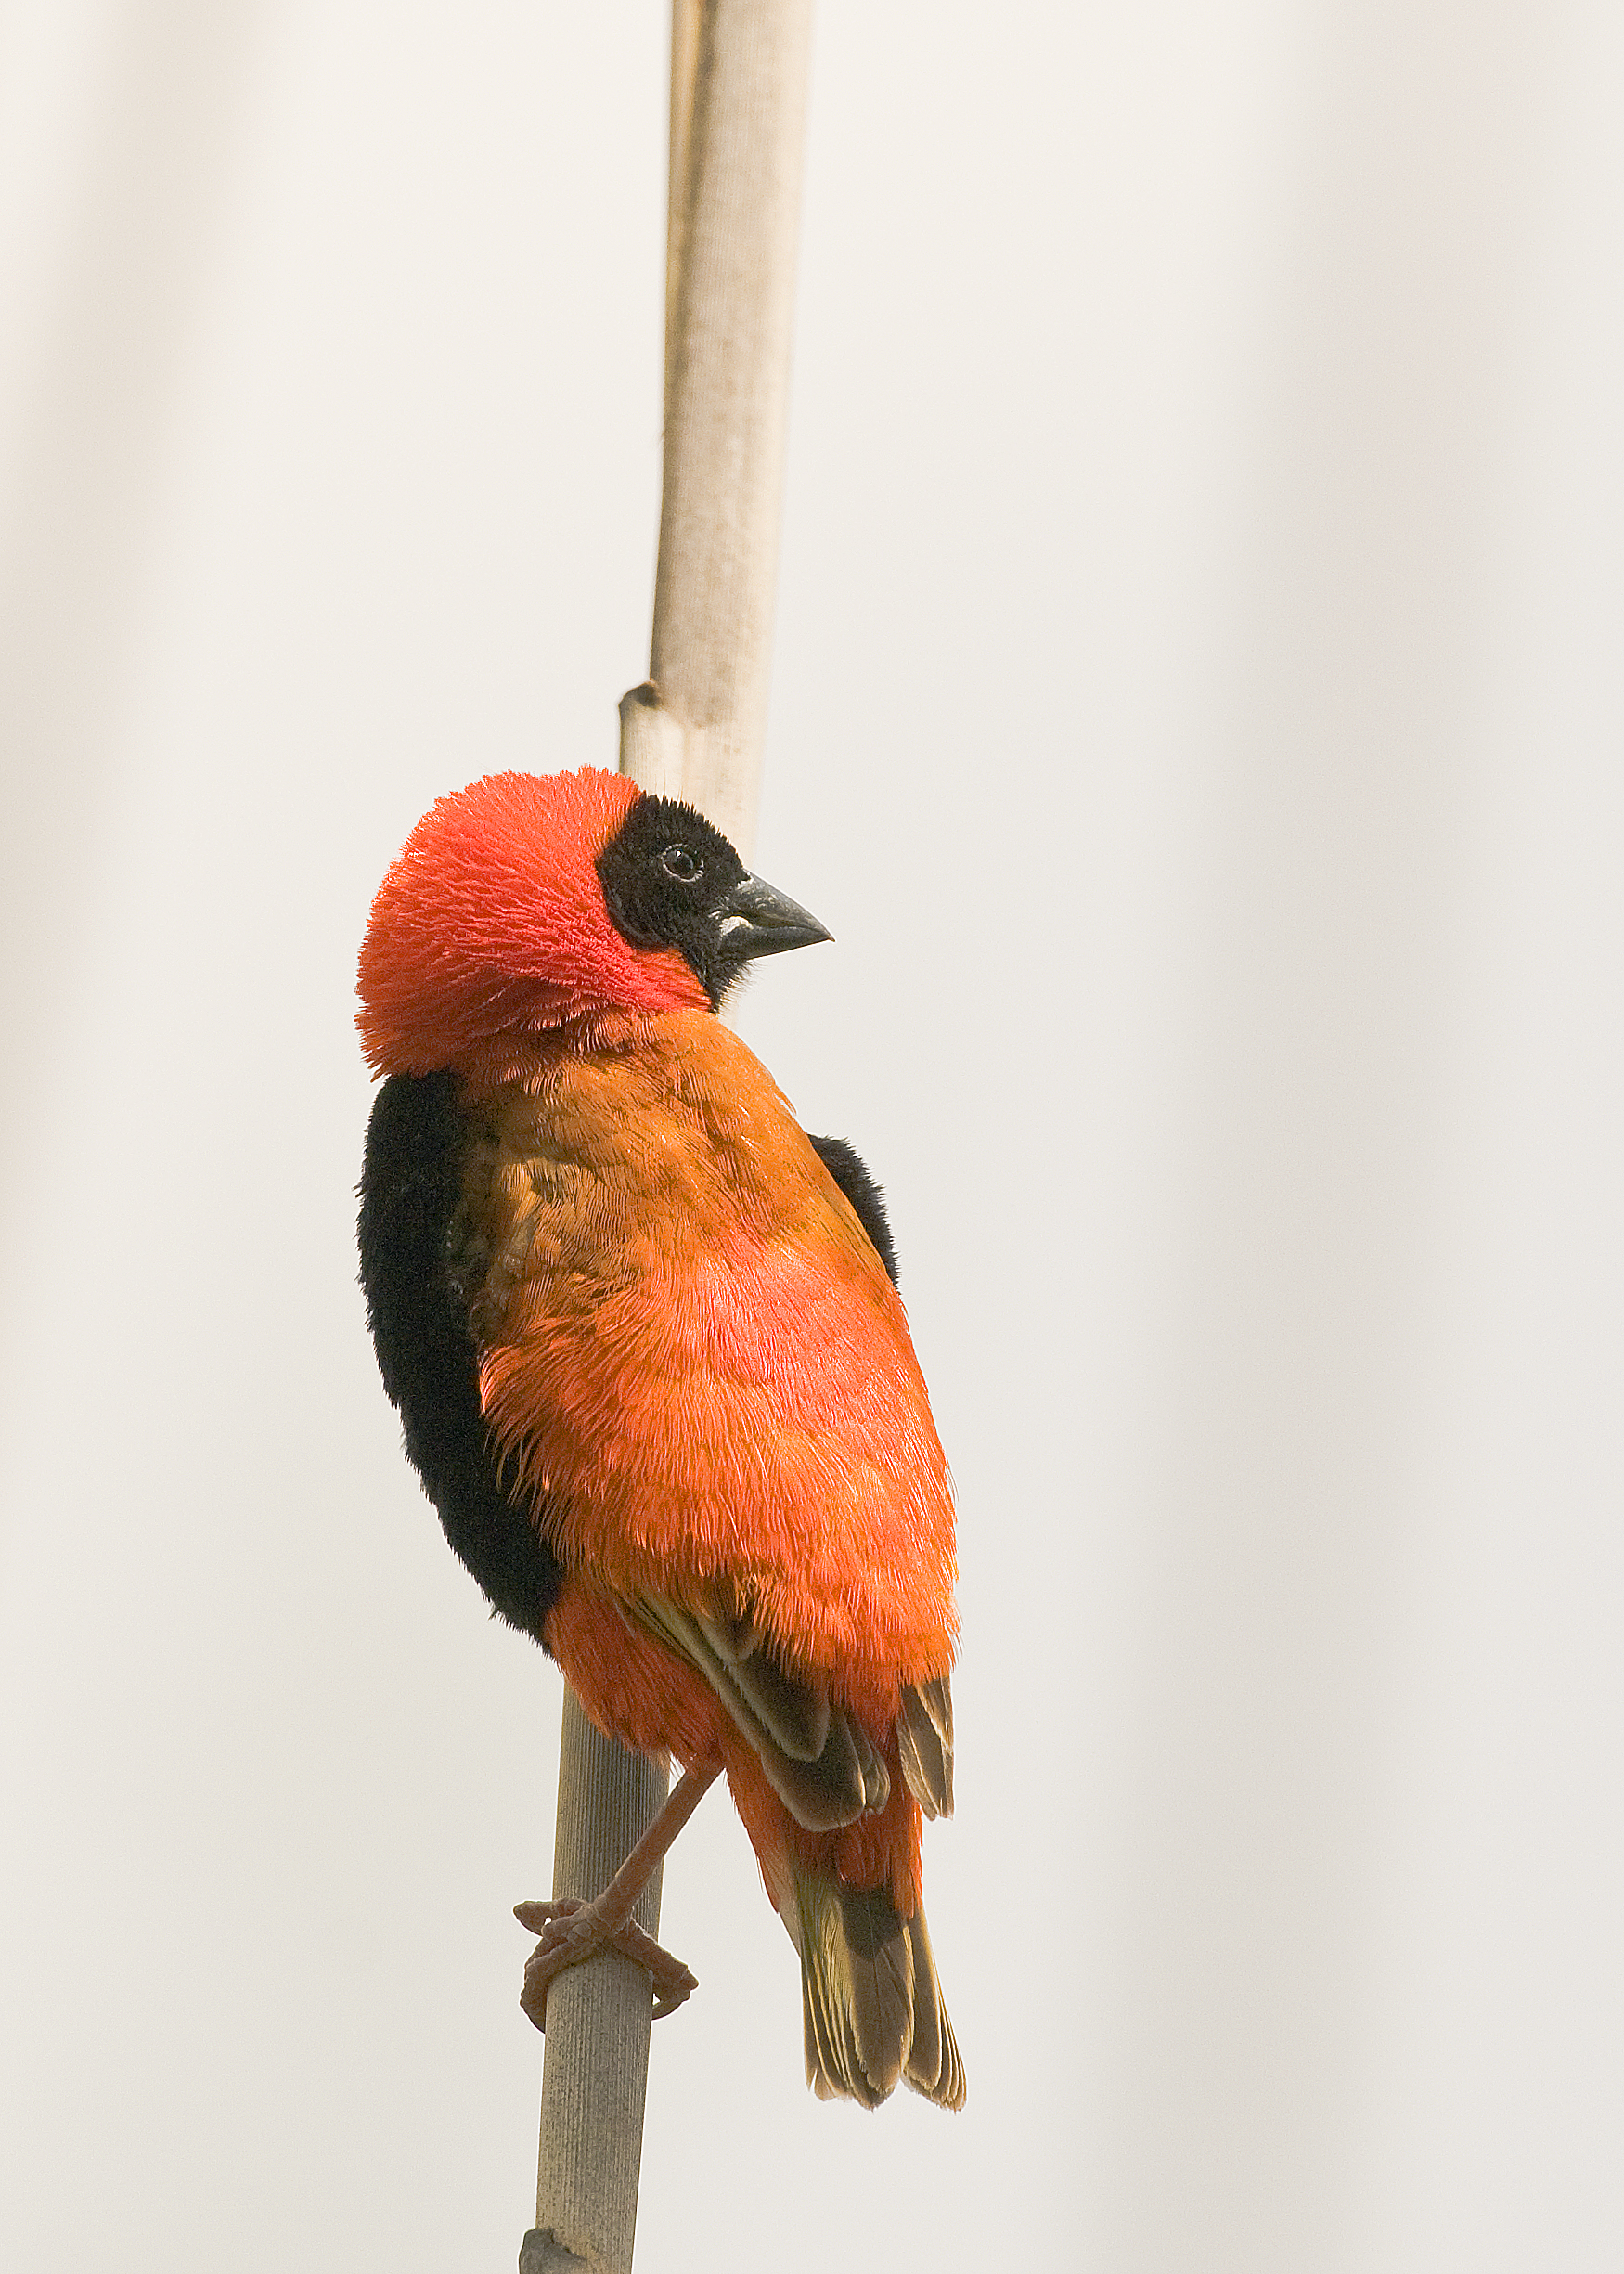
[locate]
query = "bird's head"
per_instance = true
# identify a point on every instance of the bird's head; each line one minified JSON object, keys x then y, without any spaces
{"x":527,"y":900}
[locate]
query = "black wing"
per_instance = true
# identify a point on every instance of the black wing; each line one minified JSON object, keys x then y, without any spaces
{"x":852,"y":1175}
{"x":411,"y":1184}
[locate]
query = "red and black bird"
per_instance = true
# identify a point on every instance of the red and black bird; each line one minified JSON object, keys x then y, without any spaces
{"x":655,"y":1372}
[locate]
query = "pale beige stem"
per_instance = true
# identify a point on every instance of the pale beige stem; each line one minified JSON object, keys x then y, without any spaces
{"x":738,"y":108}
{"x":736,"y":214}
{"x":599,"y":2017}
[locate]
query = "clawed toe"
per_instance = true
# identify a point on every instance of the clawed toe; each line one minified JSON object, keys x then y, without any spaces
{"x":571,"y":1931}
{"x":543,"y":1918}
{"x":674,"y":1982}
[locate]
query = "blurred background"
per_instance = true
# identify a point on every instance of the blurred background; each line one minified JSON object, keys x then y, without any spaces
{"x":1198,"y":714}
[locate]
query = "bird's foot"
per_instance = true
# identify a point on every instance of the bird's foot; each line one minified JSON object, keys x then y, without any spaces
{"x":572,"y":1933}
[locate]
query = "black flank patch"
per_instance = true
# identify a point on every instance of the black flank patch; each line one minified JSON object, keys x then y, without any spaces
{"x":409,"y":1192}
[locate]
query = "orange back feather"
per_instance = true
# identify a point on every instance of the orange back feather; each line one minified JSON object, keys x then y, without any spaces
{"x":692,"y":1349}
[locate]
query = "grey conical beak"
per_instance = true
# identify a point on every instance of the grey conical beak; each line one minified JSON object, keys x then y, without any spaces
{"x":755,"y":920}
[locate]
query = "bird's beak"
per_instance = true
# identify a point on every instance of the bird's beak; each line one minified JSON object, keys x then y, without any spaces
{"x":755,"y":920}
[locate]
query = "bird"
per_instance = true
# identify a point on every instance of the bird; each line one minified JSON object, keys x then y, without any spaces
{"x":653,"y":1369}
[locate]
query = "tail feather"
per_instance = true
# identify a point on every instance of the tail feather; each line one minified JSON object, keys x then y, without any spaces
{"x":934,"y":2066}
{"x":871,"y":2003}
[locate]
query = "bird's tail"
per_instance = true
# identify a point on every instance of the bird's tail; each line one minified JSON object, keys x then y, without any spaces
{"x":871,"y":2002}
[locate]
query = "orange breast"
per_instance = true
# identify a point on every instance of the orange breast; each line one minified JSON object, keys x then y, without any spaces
{"x":691,"y":1348}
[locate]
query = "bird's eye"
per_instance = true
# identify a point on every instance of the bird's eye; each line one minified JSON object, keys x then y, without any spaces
{"x":679,"y":863}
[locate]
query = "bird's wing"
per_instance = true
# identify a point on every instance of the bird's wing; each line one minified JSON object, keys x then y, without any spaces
{"x":816,"y":1755}
{"x":925,"y":1723}
{"x":924,"y":1740}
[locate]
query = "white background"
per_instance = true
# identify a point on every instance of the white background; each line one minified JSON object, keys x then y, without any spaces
{"x":1198,"y":710}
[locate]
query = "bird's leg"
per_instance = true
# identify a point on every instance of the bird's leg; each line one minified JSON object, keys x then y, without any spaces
{"x":573,"y":1932}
